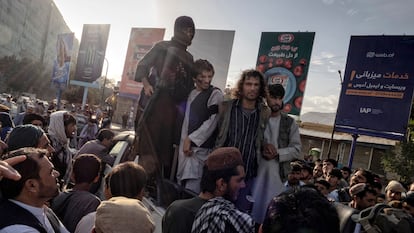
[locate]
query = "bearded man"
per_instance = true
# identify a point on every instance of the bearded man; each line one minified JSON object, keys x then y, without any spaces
{"x":281,"y":145}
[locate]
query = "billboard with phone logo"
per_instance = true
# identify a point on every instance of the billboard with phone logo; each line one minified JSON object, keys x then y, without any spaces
{"x":284,"y":58}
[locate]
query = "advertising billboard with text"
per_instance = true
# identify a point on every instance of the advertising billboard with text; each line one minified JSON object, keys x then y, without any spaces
{"x":91,"y":53}
{"x":377,"y":91}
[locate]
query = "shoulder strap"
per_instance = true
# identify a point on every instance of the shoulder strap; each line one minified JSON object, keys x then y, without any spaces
{"x":53,"y":219}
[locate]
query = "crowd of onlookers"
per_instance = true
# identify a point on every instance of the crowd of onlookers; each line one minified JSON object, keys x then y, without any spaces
{"x":60,"y":186}
{"x":309,"y":204}
{"x":51,"y":185}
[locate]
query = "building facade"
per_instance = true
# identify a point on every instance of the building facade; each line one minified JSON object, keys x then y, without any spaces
{"x":29,"y":29}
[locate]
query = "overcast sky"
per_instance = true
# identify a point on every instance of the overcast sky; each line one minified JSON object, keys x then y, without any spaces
{"x":333,"y":22}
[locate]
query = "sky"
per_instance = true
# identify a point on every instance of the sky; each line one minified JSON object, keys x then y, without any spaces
{"x":333,"y":21}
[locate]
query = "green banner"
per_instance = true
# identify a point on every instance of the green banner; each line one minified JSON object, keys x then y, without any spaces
{"x":284,"y":58}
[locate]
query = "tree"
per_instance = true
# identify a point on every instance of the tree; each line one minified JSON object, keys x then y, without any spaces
{"x":74,"y":93}
{"x":401,"y":161}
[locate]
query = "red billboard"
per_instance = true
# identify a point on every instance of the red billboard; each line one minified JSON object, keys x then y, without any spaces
{"x":141,"y":41}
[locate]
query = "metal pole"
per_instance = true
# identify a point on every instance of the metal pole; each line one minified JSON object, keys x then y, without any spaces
{"x":352,"y":151}
{"x":85,"y":96}
{"x":104,"y":84}
{"x":336,"y":113}
{"x":58,"y":98}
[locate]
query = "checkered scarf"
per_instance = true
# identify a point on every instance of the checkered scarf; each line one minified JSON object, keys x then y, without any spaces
{"x":218,"y":214}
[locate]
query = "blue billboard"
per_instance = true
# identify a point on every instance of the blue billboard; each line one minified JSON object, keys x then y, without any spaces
{"x":61,"y":64}
{"x":377,"y":90}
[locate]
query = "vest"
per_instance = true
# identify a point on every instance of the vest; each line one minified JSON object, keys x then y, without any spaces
{"x":199,"y":112}
{"x":13,"y":214}
{"x":283,"y":141}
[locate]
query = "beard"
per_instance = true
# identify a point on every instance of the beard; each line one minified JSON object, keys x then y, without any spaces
{"x":275,"y":108}
{"x":230,"y":196}
{"x":50,"y":191}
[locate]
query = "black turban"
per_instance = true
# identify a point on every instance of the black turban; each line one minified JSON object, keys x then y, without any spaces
{"x":24,"y":136}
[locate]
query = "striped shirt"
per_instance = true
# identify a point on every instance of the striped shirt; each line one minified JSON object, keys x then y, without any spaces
{"x":242,"y":134}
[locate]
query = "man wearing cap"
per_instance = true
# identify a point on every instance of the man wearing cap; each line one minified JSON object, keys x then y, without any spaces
{"x":28,"y":136}
{"x":281,"y":145}
{"x":363,"y":196}
{"x":166,"y":73}
{"x":223,"y":176}
{"x":393,"y":191}
{"x":241,"y":124}
{"x":293,"y":180}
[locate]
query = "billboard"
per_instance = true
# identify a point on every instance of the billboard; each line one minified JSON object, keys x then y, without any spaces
{"x":377,"y":91}
{"x":284,"y":58}
{"x":214,"y":46}
{"x":61,"y":64}
{"x":141,"y":41}
{"x":92,"y":52}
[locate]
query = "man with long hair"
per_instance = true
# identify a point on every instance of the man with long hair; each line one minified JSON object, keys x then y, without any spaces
{"x":242,"y":123}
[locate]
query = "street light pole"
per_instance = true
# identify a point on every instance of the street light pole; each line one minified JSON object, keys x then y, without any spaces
{"x":104,"y":84}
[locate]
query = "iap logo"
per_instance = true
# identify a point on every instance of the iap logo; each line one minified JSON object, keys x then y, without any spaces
{"x":365,"y":110}
{"x":369,"y":110}
{"x":371,"y":54}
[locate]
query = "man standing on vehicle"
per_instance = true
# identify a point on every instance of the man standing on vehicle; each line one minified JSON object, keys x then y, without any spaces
{"x":199,"y":132}
{"x":166,"y":73}
{"x":242,"y":123}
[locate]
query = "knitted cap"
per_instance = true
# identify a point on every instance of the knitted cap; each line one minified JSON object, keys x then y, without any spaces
{"x":24,"y":136}
{"x":224,"y":158}
{"x":354,"y":190}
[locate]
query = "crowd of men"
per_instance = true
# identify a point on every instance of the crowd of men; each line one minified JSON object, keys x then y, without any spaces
{"x":242,"y":157}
